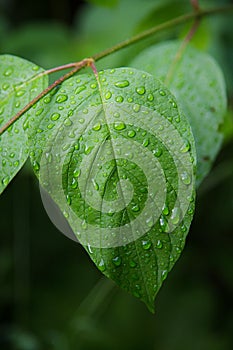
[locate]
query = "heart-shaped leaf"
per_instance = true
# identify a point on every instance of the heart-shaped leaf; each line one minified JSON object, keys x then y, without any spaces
{"x":118,"y":158}
{"x":19,"y":85}
{"x":198,"y":84}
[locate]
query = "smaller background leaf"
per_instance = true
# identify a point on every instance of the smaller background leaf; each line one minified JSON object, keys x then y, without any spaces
{"x":17,"y":88}
{"x":198,"y":84}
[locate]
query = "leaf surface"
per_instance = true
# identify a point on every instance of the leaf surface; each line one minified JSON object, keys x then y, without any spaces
{"x":118,"y":158}
{"x":198,"y":84}
{"x":18,"y":87}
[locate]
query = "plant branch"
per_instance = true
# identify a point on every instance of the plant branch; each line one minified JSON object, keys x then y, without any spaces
{"x":77,"y":67}
{"x":195,"y":5}
{"x":197,"y":14}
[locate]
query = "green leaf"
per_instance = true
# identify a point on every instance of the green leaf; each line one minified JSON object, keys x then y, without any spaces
{"x":118,"y":158}
{"x":107,"y":3}
{"x":19,"y":85}
{"x":198,"y":84}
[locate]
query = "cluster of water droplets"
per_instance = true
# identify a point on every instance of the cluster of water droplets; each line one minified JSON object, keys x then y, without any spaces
{"x":131,"y":127}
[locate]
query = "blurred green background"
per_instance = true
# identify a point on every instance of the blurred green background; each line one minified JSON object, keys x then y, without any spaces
{"x":51,"y":295}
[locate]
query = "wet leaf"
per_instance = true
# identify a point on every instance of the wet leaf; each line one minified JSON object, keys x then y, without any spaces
{"x":118,"y":157}
{"x":198,"y":84}
{"x":19,"y":85}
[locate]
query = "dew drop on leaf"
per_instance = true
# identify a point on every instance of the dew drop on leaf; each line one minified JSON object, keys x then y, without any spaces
{"x":119,"y":126}
{"x":61,"y":98}
{"x":101,"y":265}
{"x":8,"y":72}
{"x":117,"y":261}
{"x":132,"y":263}
{"x":141,"y":90}
{"x":108,"y":95}
{"x":131,"y":133}
{"x":122,"y":84}
{"x":159,"y":244}
{"x":55,"y":116}
{"x":146,"y":245}
{"x":119,"y":99}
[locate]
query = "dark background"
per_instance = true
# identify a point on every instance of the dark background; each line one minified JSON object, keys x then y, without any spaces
{"x":51,"y":294}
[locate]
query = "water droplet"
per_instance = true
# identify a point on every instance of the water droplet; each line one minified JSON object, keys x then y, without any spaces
{"x":163,"y":224}
{"x":68,"y":199}
{"x":89,"y":248}
{"x":67,"y":122}
{"x":117,"y":261}
{"x":146,"y":142}
{"x":175,"y":216}
{"x":119,"y":99}
{"x":50,"y":126}
{"x":61,"y":98}
{"x":39,"y":111}
{"x":97,"y":127}
{"x":88,"y":149}
{"x":5,"y":180}
{"x":35,"y":165}
{"x":173,"y":103}
{"x":35,"y":68}
{"x":20,"y":93}
{"x":186,"y":178}
{"x":108,"y":95}
{"x":150,"y":97}
{"x":55,"y":116}
{"x":26,"y":124}
{"x":5,"y":86}
{"x":159,"y":244}
{"x":136,"y":208}
{"x":140,"y":90}
{"x":101,"y":265}
{"x":132,"y":263}
{"x":49,"y":157}
{"x":165,"y":210}
{"x":183,"y":228}
{"x":122,"y":84}
{"x":12,"y":155}
{"x":136,"y":108}
{"x":96,"y":186}
{"x":162,"y":93}
{"x":93,"y":86}
{"x":47,"y":99}
{"x":158,"y":152}
{"x":66,"y":215}
{"x":150,"y":222}
{"x":76,"y":172}
{"x":190,"y":211}
{"x":74,"y":183}
{"x":119,"y":125}
{"x":164,"y":274}
{"x":186,"y":147}
{"x":79,"y":89}
{"x":8,"y":72}
{"x":131,"y":133}
{"x":146,"y":245}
